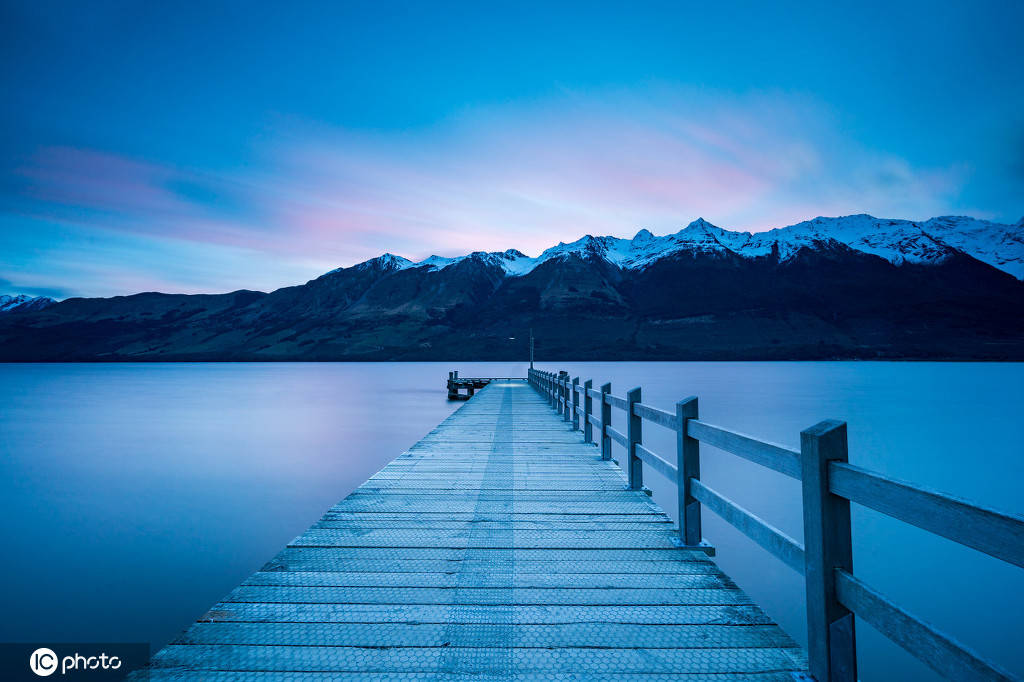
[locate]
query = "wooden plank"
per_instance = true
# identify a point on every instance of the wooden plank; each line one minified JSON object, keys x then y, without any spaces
{"x":777,"y":457}
{"x":484,"y":595}
{"x":987,"y":530}
{"x":499,"y":557}
{"x":444,"y":675}
{"x":641,"y":614}
{"x":499,"y":661}
{"x":771,"y":538}
{"x":560,"y":635}
{"x":939,"y":651}
{"x":334,"y":559}
{"x":486,"y":579}
{"x":382,"y":537}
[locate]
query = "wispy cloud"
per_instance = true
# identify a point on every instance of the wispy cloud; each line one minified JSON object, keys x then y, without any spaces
{"x":522,"y":176}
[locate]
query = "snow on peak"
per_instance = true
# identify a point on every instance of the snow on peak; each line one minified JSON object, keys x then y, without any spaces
{"x":386,"y":261}
{"x":898,"y":241}
{"x":700,"y":225}
{"x":644,"y":236}
{"x":512,"y":261}
{"x":1001,"y":246}
{"x":24,"y":303}
{"x":436,"y":262}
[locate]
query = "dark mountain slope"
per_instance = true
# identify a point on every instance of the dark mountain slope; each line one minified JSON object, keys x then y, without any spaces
{"x":823,"y":301}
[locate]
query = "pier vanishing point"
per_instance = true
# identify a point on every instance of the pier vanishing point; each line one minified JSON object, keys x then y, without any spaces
{"x":508,"y":543}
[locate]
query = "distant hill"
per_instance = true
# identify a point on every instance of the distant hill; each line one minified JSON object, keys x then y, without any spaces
{"x":849,"y":287}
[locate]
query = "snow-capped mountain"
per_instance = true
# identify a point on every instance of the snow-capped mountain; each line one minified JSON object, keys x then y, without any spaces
{"x":897,"y":241}
{"x":513,"y":262}
{"x":849,"y":287}
{"x":23,"y":303}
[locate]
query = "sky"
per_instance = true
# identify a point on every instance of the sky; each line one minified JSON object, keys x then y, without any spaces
{"x":208,"y":147}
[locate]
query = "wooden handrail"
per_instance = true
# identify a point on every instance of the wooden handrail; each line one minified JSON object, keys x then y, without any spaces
{"x":617,"y":436}
{"x":939,"y":651}
{"x":829,"y":485}
{"x":663,"y":467}
{"x":616,"y":401}
{"x":653,"y":414}
{"x":772,"y":539}
{"x":993,"y":532}
{"x":775,"y":457}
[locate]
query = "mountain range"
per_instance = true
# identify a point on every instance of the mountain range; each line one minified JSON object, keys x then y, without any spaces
{"x":848,"y":287}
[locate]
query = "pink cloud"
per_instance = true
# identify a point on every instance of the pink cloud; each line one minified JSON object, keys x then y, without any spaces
{"x":523,"y":177}
{"x":97,"y":180}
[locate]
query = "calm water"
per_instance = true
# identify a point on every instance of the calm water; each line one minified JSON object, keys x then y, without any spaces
{"x":135,"y":496}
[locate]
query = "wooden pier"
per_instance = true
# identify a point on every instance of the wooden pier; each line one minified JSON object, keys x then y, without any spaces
{"x":457,"y":384}
{"x":507,"y":544}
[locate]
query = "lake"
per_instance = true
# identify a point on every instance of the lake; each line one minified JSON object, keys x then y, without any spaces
{"x":136,"y":495}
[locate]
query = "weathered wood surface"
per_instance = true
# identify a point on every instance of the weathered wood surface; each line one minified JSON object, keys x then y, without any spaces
{"x":498,"y":547}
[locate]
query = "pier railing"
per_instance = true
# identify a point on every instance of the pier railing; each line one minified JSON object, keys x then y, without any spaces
{"x":829,"y":484}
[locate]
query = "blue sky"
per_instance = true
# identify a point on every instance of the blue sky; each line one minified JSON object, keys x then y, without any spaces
{"x":150,"y":146}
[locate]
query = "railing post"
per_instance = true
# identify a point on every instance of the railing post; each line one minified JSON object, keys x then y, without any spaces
{"x":634,"y":435}
{"x":831,"y":640}
{"x":588,"y":409}
{"x":565,"y":398}
{"x":606,"y":420}
{"x":575,"y":404}
{"x":688,"y":465}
